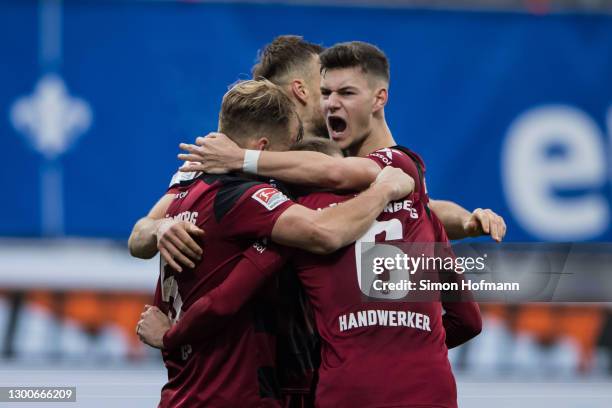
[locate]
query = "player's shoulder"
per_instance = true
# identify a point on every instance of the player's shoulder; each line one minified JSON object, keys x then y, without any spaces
{"x":397,"y":156}
{"x":237,"y":190}
{"x":182,"y":178}
{"x":411,"y":154}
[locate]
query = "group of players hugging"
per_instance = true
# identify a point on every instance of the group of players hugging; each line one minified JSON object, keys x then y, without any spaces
{"x":261,"y":299}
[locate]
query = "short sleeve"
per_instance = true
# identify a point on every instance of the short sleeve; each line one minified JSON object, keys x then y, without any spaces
{"x":410,"y":162}
{"x":255,"y":213}
{"x":179,"y":178}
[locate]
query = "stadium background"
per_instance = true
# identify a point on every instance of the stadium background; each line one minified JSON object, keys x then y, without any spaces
{"x":509,"y":103}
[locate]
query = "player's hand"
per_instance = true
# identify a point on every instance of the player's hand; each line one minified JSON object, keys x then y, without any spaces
{"x":176,"y":243}
{"x":485,"y":222}
{"x":400,"y":184}
{"x":152,"y":326}
{"x":213,"y":154}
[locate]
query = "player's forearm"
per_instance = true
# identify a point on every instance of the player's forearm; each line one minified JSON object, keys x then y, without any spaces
{"x":326,"y":231}
{"x":453,"y":217}
{"x":208,"y":314}
{"x":462,"y":322}
{"x":193,"y":326}
{"x":318,"y":169}
{"x":350,"y":220}
{"x":143,"y":242}
{"x":304,"y":168}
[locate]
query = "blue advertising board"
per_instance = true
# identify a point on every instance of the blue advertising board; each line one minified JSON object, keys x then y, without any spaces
{"x":510,"y":111}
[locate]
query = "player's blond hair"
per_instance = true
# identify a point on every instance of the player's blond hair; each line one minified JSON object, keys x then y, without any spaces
{"x":255,"y":108}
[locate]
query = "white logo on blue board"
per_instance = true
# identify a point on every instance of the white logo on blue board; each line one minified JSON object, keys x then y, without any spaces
{"x":554,"y":148}
{"x":50,"y":118}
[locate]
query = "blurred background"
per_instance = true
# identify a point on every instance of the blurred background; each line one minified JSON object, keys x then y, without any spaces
{"x":508,"y":101}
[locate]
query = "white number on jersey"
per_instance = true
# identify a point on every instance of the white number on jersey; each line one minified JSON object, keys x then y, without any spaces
{"x":169,"y":291}
{"x":366,"y":251}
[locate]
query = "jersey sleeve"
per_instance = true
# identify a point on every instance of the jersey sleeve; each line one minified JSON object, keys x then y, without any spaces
{"x":255,"y":213}
{"x":383,"y":157}
{"x":180,"y":178}
{"x":412,"y":164}
{"x":211,"y":311}
{"x":397,"y":158}
{"x":461,"y":320}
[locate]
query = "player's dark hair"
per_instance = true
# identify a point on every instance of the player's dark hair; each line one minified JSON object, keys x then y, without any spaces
{"x":317,"y":144}
{"x":284,"y":54}
{"x":252,"y":108}
{"x":366,"y":56}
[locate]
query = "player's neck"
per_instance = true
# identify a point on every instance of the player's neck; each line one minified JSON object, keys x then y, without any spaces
{"x":379,"y":138}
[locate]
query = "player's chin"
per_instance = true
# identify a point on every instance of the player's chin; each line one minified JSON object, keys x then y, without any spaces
{"x":342,"y":139}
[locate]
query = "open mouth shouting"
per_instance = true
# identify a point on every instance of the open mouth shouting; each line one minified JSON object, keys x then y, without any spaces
{"x":337,"y":126}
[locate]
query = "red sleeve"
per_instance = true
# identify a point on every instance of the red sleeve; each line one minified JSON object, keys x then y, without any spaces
{"x":461,"y":320}
{"x":255,"y":213}
{"x":384,"y":157}
{"x":396,"y":158}
{"x":214,"y":309}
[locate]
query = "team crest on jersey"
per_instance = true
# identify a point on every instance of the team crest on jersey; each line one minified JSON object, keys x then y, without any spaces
{"x":269,"y":197}
{"x":388,"y":152}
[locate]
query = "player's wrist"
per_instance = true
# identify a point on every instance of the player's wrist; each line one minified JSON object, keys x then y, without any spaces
{"x":167,"y":340}
{"x":250,"y":158}
{"x":162,"y":225}
{"x":384,"y":189}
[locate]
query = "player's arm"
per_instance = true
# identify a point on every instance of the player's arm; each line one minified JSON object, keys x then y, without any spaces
{"x":211,"y":312}
{"x":460,"y":223}
{"x":143,"y":241}
{"x":462,"y":322}
{"x":217,"y":153}
{"x":333,"y":228}
{"x":173,"y":239}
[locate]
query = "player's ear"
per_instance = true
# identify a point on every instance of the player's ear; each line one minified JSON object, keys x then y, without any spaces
{"x":298,"y":89}
{"x":263,"y":143}
{"x":380,"y":99}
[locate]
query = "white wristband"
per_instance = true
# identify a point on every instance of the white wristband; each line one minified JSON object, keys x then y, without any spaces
{"x":250,"y":161}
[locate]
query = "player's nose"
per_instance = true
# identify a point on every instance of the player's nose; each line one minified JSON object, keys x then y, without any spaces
{"x":333,"y":102}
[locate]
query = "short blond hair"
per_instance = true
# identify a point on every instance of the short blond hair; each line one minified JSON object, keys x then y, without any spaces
{"x":255,"y":108}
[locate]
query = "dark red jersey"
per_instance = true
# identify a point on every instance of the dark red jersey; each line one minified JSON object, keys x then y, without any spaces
{"x":235,"y":367}
{"x":377,"y":353}
{"x":426,"y":373}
